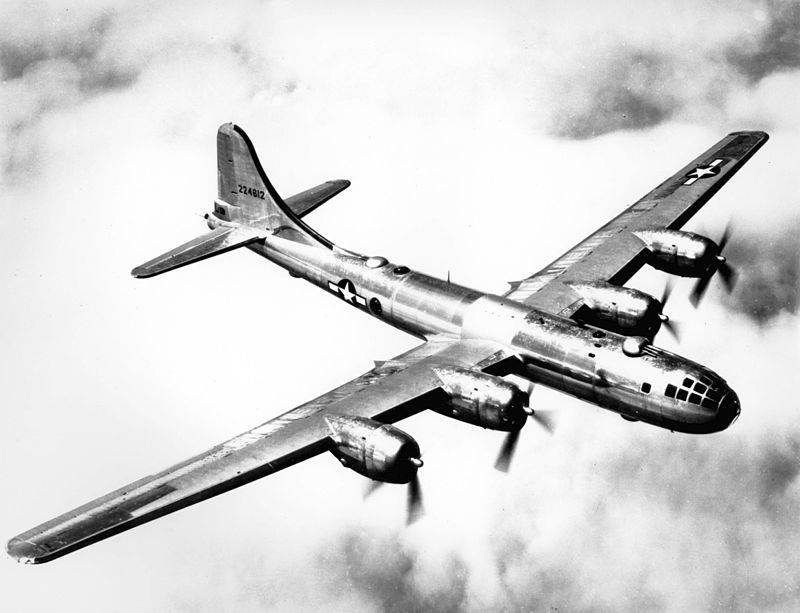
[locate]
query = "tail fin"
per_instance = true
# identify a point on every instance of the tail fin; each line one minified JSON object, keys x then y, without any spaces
{"x":248,"y":209}
{"x":245,"y":194}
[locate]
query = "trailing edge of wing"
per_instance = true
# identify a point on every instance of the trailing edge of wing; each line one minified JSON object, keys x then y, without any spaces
{"x":303,"y":203}
{"x":220,"y":240}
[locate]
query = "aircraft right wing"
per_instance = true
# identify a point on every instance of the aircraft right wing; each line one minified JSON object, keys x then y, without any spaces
{"x":391,"y":391}
{"x":303,"y":203}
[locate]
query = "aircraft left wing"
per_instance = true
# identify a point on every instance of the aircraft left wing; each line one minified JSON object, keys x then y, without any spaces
{"x":613,"y":253}
{"x":391,"y":391}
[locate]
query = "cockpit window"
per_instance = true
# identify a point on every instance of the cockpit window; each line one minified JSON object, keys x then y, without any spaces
{"x":694,"y":399}
{"x":687,"y":382}
{"x":646,"y":388}
{"x":706,"y":379}
{"x":682,"y":394}
{"x":709,"y":404}
{"x":671,"y":389}
{"x":700,"y":388}
{"x":712,"y":395}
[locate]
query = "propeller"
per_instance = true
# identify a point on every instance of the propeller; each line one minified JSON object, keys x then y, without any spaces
{"x":503,"y":462}
{"x":544,"y":418}
{"x":672,"y":326}
{"x":726,"y":272}
{"x":414,"y":509}
{"x":414,"y":501}
{"x":371,"y":487}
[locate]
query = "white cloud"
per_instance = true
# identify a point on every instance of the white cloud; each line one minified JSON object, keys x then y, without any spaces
{"x":448,"y":122}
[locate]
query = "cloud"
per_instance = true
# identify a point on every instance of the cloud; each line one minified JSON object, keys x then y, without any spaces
{"x":628,"y":92}
{"x":470,"y":135}
{"x":634,"y":82}
{"x":768,"y":267}
{"x":777,"y":48}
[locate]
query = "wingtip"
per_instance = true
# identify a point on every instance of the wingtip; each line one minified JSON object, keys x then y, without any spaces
{"x":759,"y":133}
{"x":26,"y":552}
{"x":139,"y":273}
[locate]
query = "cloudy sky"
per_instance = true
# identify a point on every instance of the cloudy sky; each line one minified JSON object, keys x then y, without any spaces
{"x":480,"y":140}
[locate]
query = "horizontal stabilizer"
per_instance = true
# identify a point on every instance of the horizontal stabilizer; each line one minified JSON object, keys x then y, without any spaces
{"x":303,"y":203}
{"x":220,"y":240}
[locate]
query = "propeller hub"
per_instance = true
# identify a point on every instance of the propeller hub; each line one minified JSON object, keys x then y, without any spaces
{"x":416,"y":462}
{"x":662,"y":317}
{"x":528,"y":410}
{"x":721,"y":259}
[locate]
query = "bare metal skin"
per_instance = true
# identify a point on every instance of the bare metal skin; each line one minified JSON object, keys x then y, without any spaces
{"x":582,"y":361}
{"x":539,"y":330}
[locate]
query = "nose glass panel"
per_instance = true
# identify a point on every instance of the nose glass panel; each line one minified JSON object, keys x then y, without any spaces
{"x":729,"y":409}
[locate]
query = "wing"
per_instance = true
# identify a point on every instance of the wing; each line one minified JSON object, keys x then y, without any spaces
{"x":305,"y":202}
{"x":392,"y":390}
{"x":613,"y":253}
{"x":219,"y":240}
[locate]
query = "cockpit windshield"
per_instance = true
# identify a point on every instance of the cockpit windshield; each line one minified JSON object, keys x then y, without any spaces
{"x":700,"y":392}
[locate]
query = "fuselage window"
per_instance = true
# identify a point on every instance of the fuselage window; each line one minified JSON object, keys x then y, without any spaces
{"x":591,"y":355}
{"x":401,"y":270}
{"x":671,"y":389}
{"x":700,"y":388}
{"x":646,"y":388}
{"x":598,"y":334}
{"x":687,"y":382}
{"x":682,"y":394}
{"x":694,"y":399}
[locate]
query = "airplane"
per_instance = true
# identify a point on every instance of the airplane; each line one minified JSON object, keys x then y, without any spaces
{"x":572,"y":326}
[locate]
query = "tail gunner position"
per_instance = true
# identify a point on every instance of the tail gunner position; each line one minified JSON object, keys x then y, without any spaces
{"x":571,"y":326}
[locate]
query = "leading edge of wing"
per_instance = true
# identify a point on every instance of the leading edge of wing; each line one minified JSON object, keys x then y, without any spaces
{"x":393,"y":390}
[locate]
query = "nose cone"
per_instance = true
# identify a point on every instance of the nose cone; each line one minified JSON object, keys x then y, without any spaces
{"x":729,"y":410}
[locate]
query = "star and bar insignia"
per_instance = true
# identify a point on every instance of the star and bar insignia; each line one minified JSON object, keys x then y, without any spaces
{"x":705,"y":170}
{"x":347,"y":292}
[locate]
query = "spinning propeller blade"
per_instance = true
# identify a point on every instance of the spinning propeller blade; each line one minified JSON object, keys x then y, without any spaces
{"x":726,"y":271}
{"x":414,"y":501}
{"x":671,"y":325}
{"x":503,"y":462}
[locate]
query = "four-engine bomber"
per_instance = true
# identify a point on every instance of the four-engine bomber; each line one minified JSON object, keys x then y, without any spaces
{"x":571,"y":326}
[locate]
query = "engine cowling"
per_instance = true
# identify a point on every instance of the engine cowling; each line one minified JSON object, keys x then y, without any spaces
{"x":620,"y":309}
{"x":375,"y":450}
{"x":481,"y":399}
{"x":680,"y":253}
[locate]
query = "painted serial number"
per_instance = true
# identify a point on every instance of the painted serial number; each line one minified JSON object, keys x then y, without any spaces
{"x":251,"y":191}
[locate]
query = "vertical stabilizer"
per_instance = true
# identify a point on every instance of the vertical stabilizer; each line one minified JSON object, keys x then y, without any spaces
{"x":245,"y":194}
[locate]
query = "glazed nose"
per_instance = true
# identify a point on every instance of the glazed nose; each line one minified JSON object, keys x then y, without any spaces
{"x":729,"y":409}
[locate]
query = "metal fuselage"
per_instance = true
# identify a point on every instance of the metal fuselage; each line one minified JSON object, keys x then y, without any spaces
{"x":656,"y":386}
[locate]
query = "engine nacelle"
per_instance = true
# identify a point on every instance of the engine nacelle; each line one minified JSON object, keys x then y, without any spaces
{"x":680,"y":253}
{"x":375,"y":450}
{"x":481,"y":399}
{"x":621,"y":309}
